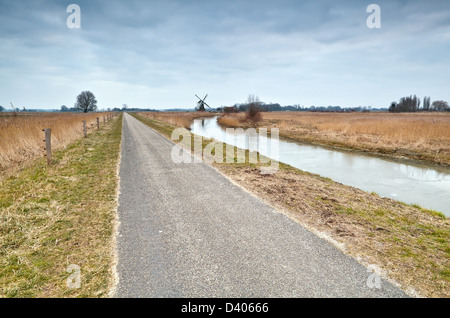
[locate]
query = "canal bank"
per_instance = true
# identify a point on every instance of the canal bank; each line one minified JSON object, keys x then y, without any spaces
{"x":412,"y":183}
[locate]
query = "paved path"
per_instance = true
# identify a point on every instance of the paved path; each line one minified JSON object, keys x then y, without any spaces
{"x":187,"y":231}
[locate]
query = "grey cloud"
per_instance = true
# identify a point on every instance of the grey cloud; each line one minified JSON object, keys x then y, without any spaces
{"x":164,"y":45}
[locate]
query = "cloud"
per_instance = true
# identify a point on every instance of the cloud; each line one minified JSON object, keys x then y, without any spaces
{"x":161,"y":53}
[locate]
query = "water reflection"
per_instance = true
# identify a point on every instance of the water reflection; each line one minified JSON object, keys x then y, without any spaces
{"x":409,"y":183}
{"x":424,"y":174}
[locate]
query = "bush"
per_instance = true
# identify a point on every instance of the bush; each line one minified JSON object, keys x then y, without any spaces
{"x":253,"y":113}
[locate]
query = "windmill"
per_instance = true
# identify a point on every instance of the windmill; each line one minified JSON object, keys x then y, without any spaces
{"x":201,"y":104}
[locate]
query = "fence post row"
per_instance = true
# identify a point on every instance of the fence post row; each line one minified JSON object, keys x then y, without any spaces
{"x":48,"y":144}
{"x":84,"y":129}
{"x":48,"y":138}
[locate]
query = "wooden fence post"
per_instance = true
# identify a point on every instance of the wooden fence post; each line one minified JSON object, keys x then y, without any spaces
{"x":103,"y":120}
{"x":98,"y":123}
{"x":84,"y":129}
{"x":48,"y":144}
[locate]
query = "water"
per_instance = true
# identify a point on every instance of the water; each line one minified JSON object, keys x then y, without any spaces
{"x":426,"y":186}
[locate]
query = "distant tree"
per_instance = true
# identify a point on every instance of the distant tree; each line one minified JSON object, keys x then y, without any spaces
{"x":439,"y":105}
{"x":64,"y":108}
{"x":409,"y":104}
{"x":2,"y":108}
{"x":253,"y":108}
{"x":86,"y":102}
{"x":124,"y":107}
{"x":393,"y":107}
{"x":426,"y":103}
{"x":406,"y":104}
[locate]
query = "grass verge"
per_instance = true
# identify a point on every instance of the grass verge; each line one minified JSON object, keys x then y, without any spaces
{"x":409,"y":244}
{"x":52,"y":217}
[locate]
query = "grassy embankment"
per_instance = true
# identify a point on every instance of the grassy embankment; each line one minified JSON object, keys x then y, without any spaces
{"x":416,"y":136}
{"x":409,"y":244}
{"x":52,"y":217}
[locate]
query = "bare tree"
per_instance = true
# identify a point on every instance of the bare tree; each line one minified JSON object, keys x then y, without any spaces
{"x":426,"y":103}
{"x":86,"y":102}
{"x":440,"y":105}
{"x":253,"y":108}
{"x":406,"y":104}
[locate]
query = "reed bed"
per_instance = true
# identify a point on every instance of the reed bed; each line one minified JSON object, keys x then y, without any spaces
{"x":231,"y":120}
{"x":396,"y":127}
{"x":21,"y":135}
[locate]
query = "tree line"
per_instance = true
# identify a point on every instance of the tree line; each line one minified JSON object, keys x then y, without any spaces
{"x":412,"y":104}
{"x":275,"y":107}
{"x":86,"y":102}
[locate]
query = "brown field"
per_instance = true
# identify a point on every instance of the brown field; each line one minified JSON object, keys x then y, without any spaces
{"x":420,"y":136}
{"x":21,"y":135}
{"x":180,"y":119}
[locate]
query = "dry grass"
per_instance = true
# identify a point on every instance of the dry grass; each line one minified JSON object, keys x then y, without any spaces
{"x":396,"y":127}
{"x":51,"y":217}
{"x":422,"y":136}
{"x":180,"y":119}
{"x":241,"y":119}
{"x":230,"y":120}
{"x":21,"y":136}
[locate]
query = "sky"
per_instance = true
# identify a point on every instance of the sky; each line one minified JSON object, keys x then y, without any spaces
{"x":159,"y":54}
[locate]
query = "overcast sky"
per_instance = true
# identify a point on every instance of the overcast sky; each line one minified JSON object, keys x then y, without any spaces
{"x":159,"y":54}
